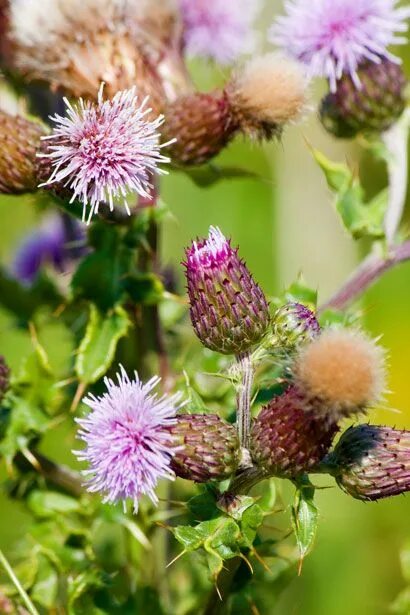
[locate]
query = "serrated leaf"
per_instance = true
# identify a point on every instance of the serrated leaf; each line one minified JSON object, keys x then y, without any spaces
{"x":45,"y":504}
{"x":189,"y":537}
{"x":97,"y":349}
{"x":26,"y":422}
{"x":304,"y":519}
{"x":203,"y":507}
{"x":251,"y":521}
{"x":361,"y":219}
{"x":236,"y":506}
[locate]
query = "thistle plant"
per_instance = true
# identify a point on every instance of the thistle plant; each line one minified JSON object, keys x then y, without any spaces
{"x":150,"y":433}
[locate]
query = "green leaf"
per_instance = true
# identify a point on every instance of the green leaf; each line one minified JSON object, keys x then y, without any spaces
{"x":45,"y":588}
{"x":144,"y":288}
{"x":189,"y":537}
{"x":26,"y":422}
{"x":304,"y":519}
{"x":299,"y":292}
{"x":203,"y":507}
{"x":45,"y":504}
{"x":24,"y":301}
{"x":251,"y":521}
{"x":97,"y":349}
{"x":361,"y":219}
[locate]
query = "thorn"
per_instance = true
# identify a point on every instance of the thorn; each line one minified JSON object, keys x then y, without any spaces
{"x":261,"y":561}
{"x":247,"y":562}
{"x":300,"y":566}
{"x":78,"y":395}
{"x":218,"y":592}
{"x":175,"y":559}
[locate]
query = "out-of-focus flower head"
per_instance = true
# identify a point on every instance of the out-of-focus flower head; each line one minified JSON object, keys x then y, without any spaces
{"x":106,"y":150}
{"x":333,"y":37}
{"x":53,"y":243}
{"x":219,"y":29}
{"x":128,"y":444}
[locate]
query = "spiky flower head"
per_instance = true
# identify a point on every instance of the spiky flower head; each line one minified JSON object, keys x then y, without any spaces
{"x":51,"y":243}
{"x":104,"y":151}
{"x":219,"y":30}
{"x":19,"y":143}
{"x":228,"y":309}
{"x":334,"y":37}
{"x":341,"y":372}
{"x":288,"y":437}
{"x":207,"y":448}
{"x":128,"y":444}
{"x":259,"y":100}
{"x":371,"y":462}
{"x":4,"y":377}
{"x":374,"y":108}
{"x":74,"y":46}
{"x":294,"y":323}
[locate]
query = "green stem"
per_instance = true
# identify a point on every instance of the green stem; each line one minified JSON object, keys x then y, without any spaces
{"x":243,"y":420}
{"x":23,"y":594}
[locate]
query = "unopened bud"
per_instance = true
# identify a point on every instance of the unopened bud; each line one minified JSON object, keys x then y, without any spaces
{"x":229,"y":311}
{"x":373,"y":107}
{"x":371,"y":462}
{"x":19,"y":144}
{"x":288,"y":437}
{"x":294,"y":324}
{"x":207,"y":448}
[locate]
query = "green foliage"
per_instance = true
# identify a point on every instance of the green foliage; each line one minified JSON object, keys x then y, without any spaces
{"x":361,"y":219}
{"x":304,"y":518}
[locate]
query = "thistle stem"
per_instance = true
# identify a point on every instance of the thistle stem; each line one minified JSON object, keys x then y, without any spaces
{"x":243,"y":420}
{"x":395,"y":141}
{"x":367,"y":273}
{"x":61,"y":476}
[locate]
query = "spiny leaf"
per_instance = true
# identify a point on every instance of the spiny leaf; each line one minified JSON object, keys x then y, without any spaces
{"x":304,"y":519}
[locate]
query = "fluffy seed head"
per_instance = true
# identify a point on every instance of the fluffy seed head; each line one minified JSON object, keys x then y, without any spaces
{"x":371,"y":462}
{"x":267,"y":93}
{"x":103,"y":152}
{"x":229,"y":311}
{"x":335,"y":37}
{"x":341,"y":371}
{"x":218,"y":29}
{"x":75,"y":45}
{"x":128,"y":444}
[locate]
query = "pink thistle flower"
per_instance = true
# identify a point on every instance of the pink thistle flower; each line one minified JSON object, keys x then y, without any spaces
{"x":333,"y":37}
{"x":228,"y":309}
{"x":105,"y":151}
{"x":128,"y":443}
{"x":219,"y":29}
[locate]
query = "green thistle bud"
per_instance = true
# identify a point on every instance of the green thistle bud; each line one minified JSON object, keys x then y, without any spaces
{"x":229,"y":311}
{"x":4,"y":377}
{"x":207,"y":447}
{"x":371,"y":462}
{"x":289,"y":437}
{"x":19,"y":144}
{"x":373,"y":107}
{"x":294,"y":323}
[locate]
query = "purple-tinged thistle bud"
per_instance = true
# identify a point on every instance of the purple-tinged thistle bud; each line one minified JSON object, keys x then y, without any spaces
{"x":207,"y":448}
{"x":373,"y":107}
{"x":289,"y":438}
{"x":19,"y":144}
{"x":228,"y":309}
{"x":371,"y":462}
{"x":4,"y":377}
{"x":259,"y":100}
{"x":295,"y":324}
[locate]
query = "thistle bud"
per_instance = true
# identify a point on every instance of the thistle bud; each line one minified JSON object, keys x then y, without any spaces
{"x":373,"y":107}
{"x":19,"y":144}
{"x":229,"y":311}
{"x":371,"y":462}
{"x":289,"y":438}
{"x":295,"y":324}
{"x":268,"y":93}
{"x":207,"y":447}
{"x":341,"y":372}
{"x":4,"y":377}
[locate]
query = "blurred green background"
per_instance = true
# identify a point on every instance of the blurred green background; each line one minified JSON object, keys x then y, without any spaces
{"x":285,"y":224}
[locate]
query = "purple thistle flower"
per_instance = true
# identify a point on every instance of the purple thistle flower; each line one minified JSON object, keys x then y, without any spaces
{"x":52,"y":244}
{"x":105,"y":151}
{"x":218,"y":29}
{"x":333,"y":37}
{"x":128,"y":443}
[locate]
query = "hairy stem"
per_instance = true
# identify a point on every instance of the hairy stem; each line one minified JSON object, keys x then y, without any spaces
{"x":367,"y":273}
{"x":243,"y":420}
{"x":59,"y":475}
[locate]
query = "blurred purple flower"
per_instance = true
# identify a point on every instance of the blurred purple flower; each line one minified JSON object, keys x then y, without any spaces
{"x":128,"y":443}
{"x":219,"y":29}
{"x":52,"y":243}
{"x":105,"y":151}
{"x":333,"y":37}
